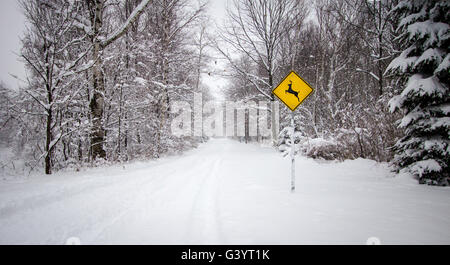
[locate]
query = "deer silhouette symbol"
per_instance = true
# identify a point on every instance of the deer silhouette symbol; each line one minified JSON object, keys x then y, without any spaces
{"x":291,"y":91}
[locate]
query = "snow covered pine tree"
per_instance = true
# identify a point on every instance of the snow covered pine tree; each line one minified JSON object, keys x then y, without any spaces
{"x":423,"y":75}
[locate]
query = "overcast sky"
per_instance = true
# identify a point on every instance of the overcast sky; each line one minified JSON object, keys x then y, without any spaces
{"x":12,"y":25}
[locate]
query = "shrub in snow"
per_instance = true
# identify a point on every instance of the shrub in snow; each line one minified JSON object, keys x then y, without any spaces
{"x":423,"y":76}
{"x":315,"y":148}
{"x":284,"y":140}
{"x":323,"y":148}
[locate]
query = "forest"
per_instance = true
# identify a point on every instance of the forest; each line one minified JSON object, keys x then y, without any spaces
{"x":102,"y":76}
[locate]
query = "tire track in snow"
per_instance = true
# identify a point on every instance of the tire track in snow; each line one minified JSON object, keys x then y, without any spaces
{"x":205,"y":226}
{"x":172,"y":188}
{"x":103,"y":199}
{"x":156,"y":189}
{"x":41,"y":199}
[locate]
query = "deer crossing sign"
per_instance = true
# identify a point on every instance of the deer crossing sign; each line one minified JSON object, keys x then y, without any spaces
{"x":293,"y":90}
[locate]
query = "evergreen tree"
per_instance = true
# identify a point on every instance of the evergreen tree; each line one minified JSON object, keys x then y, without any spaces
{"x":423,"y":69}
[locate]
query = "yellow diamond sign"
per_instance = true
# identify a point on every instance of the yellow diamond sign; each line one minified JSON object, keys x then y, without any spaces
{"x":293,"y":90}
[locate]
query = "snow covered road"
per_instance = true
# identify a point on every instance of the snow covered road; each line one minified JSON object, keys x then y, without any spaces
{"x":225,"y":192}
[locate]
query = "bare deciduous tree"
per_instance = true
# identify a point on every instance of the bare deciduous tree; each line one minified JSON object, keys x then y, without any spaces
{"x":255,"y":29}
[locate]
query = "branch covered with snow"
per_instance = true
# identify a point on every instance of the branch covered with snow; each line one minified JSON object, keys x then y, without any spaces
{"x":123,"y":29}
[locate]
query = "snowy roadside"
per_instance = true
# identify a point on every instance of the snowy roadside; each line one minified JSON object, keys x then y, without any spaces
{"x":225,"y":192}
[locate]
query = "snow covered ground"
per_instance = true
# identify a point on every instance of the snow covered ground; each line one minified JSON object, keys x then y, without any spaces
{"x":225,"y":192}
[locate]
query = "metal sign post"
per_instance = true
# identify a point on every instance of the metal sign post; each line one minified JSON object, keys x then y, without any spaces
{"x":292,"y":91}
{"x":292,"y":153}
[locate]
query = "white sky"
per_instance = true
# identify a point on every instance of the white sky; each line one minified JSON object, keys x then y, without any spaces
{"x":216,"y":83}
{"x":12,"y":27}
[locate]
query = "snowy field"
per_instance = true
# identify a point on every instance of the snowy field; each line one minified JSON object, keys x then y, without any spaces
{"x":225,"y":192}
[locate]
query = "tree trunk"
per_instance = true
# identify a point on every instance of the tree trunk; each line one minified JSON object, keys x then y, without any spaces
{"x":97,"y":101}
{"x":49,"y":133}
{"x":96,"y":105}
{"x":380,"y":52}
{"x":49,"y":139}
{"x":164,"y":104}
{"x":380,"y":66}
{"x":273,"y":116}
